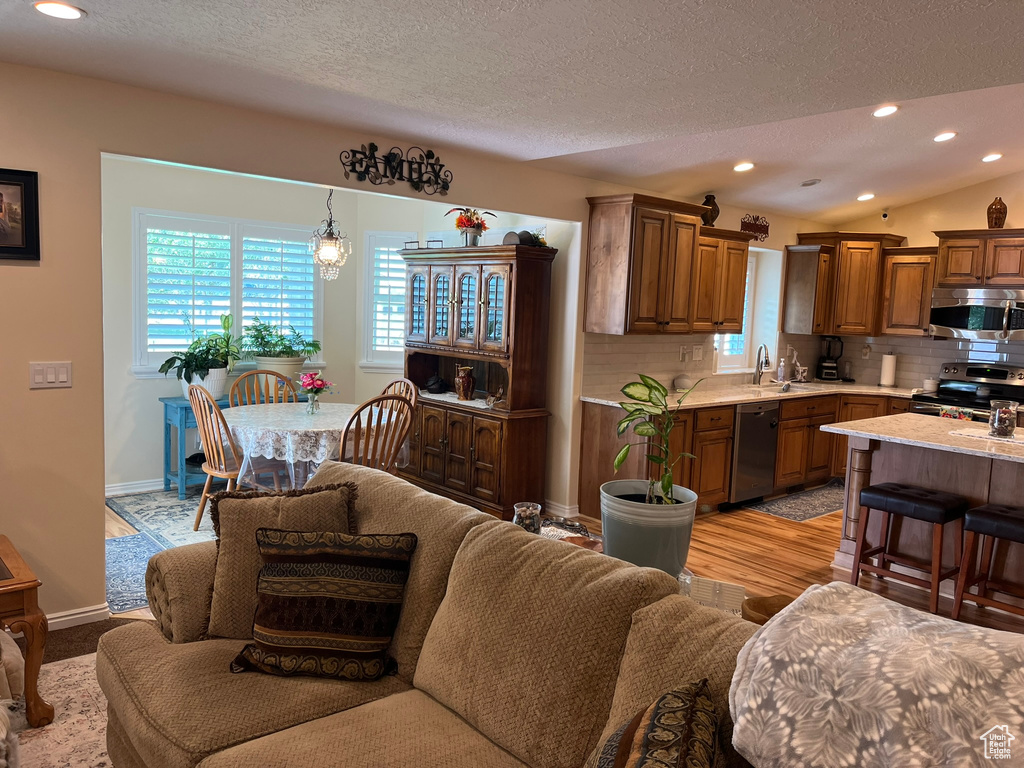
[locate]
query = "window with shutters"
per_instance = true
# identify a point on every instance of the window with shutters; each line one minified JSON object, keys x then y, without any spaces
{"x":191,"y":269}
{"x":734,"y":350}
{"x":384,"y":300}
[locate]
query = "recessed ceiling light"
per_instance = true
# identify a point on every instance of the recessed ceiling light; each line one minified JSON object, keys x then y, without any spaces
{"x":59,"y":10}
{"x":885,"y":111}
{"x":946,"y":136}
{"x":991,"y":158}
{"x":744,"y":166}
{"x":865,"y":196}
{"x":810,"y":182}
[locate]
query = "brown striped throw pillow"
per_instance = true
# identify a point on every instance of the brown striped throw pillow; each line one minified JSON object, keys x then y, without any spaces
{"x":327,"y":603}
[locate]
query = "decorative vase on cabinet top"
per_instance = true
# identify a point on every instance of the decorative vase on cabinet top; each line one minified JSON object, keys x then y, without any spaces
{"x":997,"y":214}
{"x":465,"y":383}
{"x":709,"y":217}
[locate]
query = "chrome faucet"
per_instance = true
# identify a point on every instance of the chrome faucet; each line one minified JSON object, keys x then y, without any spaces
{"x":763,"y":363}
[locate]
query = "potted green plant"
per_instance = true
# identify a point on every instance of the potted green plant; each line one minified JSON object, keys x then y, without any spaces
{"x":274,"y":350}
{"x":649,"y":522}
{"x":207,"y":360}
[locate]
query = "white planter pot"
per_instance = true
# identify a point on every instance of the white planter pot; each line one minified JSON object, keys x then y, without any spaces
{"x":215,"y":382}
{"x":653,"y":535}
{"x":289,"y":367}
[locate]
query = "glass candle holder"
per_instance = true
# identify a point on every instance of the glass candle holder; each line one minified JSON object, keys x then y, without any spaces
{"x":527,"y":516}
{"x":1002,"y":420}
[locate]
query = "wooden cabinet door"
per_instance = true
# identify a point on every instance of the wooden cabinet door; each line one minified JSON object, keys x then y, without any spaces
{"x":599,"y":445}
{"x":907,"y":295}
{"x":417,"y":311}
{"x":819,"y":449}
{"x":495,"y":312}
{"x":961,"y":262}
{"x":442,"y":301}
{"x":823,"y":294}
{"x":675,"y":314}
{"x":1004,"y":261}
{"x":857,"y":286}
{"x":731,"y":287}
{"x":702,"y":289}
{"x":409,"y":456}
{"x":432,"y":443}
{"x":486,"y":455}
{"x":680,"y":441}
{"x":791,"y":454}
{"x":458,"y":451}
{"x":898,"y":405}
{"x":854,"y":408}
{"x":712,"y":466}
{"x":466,"y":317}
{"x":650,"y":246}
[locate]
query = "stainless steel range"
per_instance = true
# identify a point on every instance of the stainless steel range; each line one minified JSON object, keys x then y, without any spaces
{"x":971,"y":385}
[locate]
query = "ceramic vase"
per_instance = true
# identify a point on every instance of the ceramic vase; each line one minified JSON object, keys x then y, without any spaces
{"x":997,"y":214}
{"x":465,"y":383}
{"x":709,"y":217}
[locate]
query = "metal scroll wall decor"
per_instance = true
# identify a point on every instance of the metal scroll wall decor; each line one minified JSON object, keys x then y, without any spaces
{"x":421,"y":168}
{"x":755,"y":225}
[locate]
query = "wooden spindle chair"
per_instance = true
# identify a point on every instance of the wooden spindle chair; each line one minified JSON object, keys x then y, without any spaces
{"x":403,"y":388}
{"x":376,"y":432}
{"x":259,"y":387}
{"x":223,"y":458}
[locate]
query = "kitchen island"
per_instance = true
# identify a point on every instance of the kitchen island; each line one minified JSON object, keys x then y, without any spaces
{"x":919,"y":450}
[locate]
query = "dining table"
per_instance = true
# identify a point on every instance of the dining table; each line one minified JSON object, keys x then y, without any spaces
{"x":285,"y":436}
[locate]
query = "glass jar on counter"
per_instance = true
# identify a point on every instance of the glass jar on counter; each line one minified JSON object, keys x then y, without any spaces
{"x":1002,"y":420}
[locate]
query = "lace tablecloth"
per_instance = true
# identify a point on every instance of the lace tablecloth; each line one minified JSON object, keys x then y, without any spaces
{"x":286,"y":433}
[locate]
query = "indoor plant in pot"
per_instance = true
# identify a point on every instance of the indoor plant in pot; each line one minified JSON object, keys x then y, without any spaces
{"x":274,"y":350}
{"x":649,"y":522}
{"x":207,"y":361}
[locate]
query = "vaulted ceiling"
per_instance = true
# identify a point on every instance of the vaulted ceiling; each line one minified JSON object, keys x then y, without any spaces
{"x":664,"y":94}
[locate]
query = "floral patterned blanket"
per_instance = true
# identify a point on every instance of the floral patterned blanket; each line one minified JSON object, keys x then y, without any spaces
{"x":844,"y":677}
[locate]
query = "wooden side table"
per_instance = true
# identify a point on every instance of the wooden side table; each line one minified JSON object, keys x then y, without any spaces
{"x":20,"y":612}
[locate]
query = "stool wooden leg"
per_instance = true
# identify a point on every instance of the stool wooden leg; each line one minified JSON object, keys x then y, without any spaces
{"x":862,"y":532}
{"x":966,"y":572}
{"x":883,"y":542}
{"x":933,"y":603}
{"x":987,"y":553}
{"x":958,"y":543}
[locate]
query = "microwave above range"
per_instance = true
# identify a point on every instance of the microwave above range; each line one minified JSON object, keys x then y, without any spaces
{"x":989,"y":314}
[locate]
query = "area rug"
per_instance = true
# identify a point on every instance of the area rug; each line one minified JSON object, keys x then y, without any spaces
{"x":167,"y":519}
{"x":127,"y":557}
{"x":77,"y":736}
{"x":806,"y":505}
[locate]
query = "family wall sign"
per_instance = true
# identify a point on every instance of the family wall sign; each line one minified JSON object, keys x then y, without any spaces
{"x":421,"y":168}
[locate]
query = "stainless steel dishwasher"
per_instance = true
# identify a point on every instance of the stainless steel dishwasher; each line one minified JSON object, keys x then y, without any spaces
{"x":754,"y":445}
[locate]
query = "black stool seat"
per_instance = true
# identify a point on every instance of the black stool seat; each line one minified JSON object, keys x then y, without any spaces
{"x":996,"y":520}
{"x":936,"y":507}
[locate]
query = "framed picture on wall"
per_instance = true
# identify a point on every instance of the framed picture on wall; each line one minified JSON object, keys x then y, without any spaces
{"x":19,"y":214}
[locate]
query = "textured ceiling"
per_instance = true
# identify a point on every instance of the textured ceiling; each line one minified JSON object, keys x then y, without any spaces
{"x":534,"y":79}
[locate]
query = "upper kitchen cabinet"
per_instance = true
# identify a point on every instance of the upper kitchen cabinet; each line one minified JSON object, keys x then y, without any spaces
{"x":907,"y":290}
{"x":838,"y":288}
{"x":640,"y":259}
{"x":975,"y":257}
{"x":719,"y":281}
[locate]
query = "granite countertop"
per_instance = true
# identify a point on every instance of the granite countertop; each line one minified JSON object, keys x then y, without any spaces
{"x":702,"y":396}
{"x":923,"y":431}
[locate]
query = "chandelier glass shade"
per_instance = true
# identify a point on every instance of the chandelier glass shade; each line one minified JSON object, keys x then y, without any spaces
{"x":330,"y":250}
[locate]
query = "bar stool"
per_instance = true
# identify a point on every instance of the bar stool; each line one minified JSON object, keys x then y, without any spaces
{"x":990,"y":523}
{"x":935,"y":507}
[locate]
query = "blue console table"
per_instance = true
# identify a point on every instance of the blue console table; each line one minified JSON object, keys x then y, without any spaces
{"x":178,"y":413}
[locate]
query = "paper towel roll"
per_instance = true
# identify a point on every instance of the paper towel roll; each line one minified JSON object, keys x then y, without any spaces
{"x":888,"y":371}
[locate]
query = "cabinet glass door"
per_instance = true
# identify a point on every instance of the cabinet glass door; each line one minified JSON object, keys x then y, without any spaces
{"x":442,"y":301}
{"x":467,"y":305}
{"x":494,"y":333}
{"x":419,"y":303}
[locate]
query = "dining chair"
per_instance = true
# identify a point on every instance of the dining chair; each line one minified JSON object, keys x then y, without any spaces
{"x":223,"y":459}
{"x":260,"y":386}
{"x":376,"y":432}
{"x":403,"y":388}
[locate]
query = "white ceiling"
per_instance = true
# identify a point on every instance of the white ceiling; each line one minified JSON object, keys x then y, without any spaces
{"x":662,"y":93}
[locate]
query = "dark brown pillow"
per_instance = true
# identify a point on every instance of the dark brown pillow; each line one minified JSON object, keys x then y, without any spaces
{"x":328,"y":603}
{"x":679,"y":730}
{"x":236,"y":516}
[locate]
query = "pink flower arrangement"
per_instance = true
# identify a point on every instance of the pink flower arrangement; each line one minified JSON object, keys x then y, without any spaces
{"x":313,"y":383}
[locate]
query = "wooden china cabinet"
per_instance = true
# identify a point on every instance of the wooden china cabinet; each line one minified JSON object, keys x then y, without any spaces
{"x":486,"y":308}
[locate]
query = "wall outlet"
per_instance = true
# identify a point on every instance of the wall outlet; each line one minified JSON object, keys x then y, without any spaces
{"x":698,"y":352}
{"x":49,"y":375}
{"x":865,"y":353}
{"x":682,"y":353}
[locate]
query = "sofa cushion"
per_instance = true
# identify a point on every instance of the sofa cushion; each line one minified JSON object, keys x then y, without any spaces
{"x":678,"y":730}
{"x":236,"y":516}
{"x":526,"y":644}
{"x":388,"y":503}
{"x":179,"y":703}
{"x":407,"y":730}
{"x":327,"y":604}
{"x":672,"y":642}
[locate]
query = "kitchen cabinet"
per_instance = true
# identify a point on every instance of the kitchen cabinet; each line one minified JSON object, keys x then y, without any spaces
{"x":719,"y":281}
{"x":899,"y":405}
{"x":807,"y":294}
{"x":907,"y":290}
{"x":711,"y":467}
{"x":854,"y":408}
{"x":804,"y":452}
{"x":978,"y":257}
{"x":858,"y":284}
{"x":461,"y":451}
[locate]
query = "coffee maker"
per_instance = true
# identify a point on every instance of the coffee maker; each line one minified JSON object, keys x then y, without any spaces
{"x":828,"y":363}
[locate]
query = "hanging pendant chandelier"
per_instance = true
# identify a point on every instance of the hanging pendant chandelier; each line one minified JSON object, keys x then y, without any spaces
{"x":330,"y":250}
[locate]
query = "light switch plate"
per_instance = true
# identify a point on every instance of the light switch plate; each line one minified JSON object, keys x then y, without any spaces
{"x":698,"y":352}
{"x":49,"y":375}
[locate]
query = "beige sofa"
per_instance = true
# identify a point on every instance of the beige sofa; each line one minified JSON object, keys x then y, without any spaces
{"x":512,"y":650}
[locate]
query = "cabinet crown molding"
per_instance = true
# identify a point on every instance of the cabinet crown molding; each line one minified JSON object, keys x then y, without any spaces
{"x":886,"y":238}
{"x":951,"y":234}
{"x":648,"y":201}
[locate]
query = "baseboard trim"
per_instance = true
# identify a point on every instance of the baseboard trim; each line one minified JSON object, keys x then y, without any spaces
{"x":139,"y":486}
{"x":77,"y":616}
{"x":562,"y":510}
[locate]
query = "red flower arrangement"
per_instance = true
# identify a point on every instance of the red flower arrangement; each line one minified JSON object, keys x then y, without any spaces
{"x":470,"y":218}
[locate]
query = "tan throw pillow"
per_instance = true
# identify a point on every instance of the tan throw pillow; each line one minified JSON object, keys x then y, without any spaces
{"x":236,"y":517}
